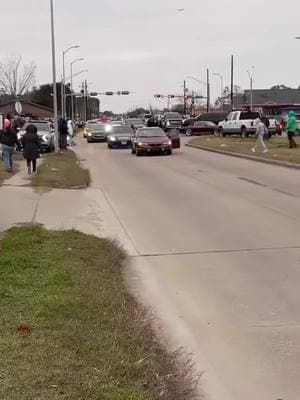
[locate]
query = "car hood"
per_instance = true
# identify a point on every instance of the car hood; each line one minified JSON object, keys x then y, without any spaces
{"x":153,"y":139}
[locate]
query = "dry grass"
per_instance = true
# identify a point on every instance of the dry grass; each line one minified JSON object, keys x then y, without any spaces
{"x":61,"y":171}
{"x":278,"y":147}
{"x":69,"y":329}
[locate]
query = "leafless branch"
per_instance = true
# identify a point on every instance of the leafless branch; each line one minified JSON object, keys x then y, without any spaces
{"x":15,"y":78}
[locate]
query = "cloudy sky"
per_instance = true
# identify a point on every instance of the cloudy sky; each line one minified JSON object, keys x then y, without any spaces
{"x":150,"y":47}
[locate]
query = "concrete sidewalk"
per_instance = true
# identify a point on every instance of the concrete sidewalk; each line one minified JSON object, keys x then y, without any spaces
{"x":86,"y":210}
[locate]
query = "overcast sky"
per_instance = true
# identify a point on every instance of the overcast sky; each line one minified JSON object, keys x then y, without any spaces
{"x":148,"y":46}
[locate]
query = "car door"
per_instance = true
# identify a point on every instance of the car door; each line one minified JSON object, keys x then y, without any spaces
{"x":234,"y":122}
{"x":227,"y":124}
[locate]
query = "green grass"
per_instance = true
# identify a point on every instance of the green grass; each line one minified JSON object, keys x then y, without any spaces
{"x":69,"y":329}
{"x":278,"y":147}
{"x":62,"y":171}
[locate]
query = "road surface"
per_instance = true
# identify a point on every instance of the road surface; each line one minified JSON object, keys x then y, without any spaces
{"x":216,"y":244}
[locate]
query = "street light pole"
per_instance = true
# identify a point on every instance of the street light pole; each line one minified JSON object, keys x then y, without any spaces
{"x":251,"y":90}
{"x":72,"y":97}
{"x":222,"y":88}
{"x":64,"y":108}
{"x":55,"y":119}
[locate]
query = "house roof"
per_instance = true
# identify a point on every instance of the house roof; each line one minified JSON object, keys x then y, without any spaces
{"x":273,"y":96}
{"x":27,"y":103}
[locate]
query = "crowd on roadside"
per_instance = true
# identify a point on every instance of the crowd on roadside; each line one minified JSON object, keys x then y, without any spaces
{"x":29,"y":143}
{"x":262,"y":134}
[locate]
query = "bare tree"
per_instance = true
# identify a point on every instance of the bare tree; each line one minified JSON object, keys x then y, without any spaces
{"x":16,"y":78}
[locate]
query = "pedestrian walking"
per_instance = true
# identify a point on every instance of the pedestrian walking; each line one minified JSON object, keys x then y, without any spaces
{"x":63,"y":134}
{"x":31,"y":148}
{"x":8,"y":140}
{"x":261,"y":134}
{"x":70,"y":133}
{"x":292,"y":128}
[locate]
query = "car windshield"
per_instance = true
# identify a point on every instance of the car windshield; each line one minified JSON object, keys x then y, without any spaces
{"x":122,"y":130}
{"x":135,"y":121}
{"x":145,"y":133}
{"x":173,"y":115}
{"x":96,"y":127}
{"x":41,"y":126}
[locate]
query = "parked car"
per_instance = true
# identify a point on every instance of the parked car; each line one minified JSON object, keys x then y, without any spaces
{"x":151,"y":140}
{"x":239,"y":123}
{"x":212,"y":116}
{"x":45,"y":131}
{"x":171,"y":120}
{"x":97,"y":132}
{"x":120,"y":136}
{"x":201,"y":128}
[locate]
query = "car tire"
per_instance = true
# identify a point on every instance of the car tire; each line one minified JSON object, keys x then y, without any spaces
{"x":221,"y":131}
{"x":169,"y":152}
{"x":138,"y":153}
{"x":89,"y":140}
{"x":188,"y":132}
{"x":244,"y":133}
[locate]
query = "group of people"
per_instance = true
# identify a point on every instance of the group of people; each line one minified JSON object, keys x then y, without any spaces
{"x":30,"y":143}
{"x":262,"y":133}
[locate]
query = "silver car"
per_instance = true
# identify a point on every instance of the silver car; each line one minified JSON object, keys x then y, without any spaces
{"x":45,"y":131}
{"x":96,"y":132}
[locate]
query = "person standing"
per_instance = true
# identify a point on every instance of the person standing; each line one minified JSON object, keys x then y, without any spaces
{"x":8,"y":140}
{"x":63,"y":134}
{"x":292,"y":128}
{"x":31,"y":148}
{"x":261,"y":134}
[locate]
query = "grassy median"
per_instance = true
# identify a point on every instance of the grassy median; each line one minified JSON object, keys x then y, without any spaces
{"x":278,"y":147}
{"x":70,"y":330}
{"x":61,"y":171}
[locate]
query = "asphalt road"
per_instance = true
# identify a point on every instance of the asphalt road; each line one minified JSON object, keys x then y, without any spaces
{"x":217,"y":257}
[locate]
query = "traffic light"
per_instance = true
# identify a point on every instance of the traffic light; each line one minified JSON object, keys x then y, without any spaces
{"x":171,"y":96}
{"x":157,"y":96}
{"x":125,"y":92}
{"x":109,"y":93}
{"x":93,"y":94}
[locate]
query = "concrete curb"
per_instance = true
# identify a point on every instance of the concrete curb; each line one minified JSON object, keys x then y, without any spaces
{"x":246,"y":156}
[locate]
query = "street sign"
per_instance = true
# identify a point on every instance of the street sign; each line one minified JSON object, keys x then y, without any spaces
{"x":1,"y":121}
{"x":18,"y":107}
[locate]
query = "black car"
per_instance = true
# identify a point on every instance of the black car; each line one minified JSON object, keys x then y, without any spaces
{"x":120,"y":136}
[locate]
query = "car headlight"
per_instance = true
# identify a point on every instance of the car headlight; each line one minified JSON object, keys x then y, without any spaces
{"x":141,"y":144}
{"x":168,"y":123}
{"x":108,"y":128}
{"x":112,"y":138}
{"x":45,"y":138}
{"x":89,"y":133}
{"x":168,"y":143}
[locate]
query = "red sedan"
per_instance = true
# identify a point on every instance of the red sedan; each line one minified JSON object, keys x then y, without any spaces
{"x":201,"y":128}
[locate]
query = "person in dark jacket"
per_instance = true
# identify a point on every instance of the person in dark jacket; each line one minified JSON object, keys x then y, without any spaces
{"x":63,"y":134}
{"x":8,"y":140}
{"x":31,"y":148}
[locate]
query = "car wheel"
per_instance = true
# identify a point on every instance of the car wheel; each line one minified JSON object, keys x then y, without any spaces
{"x":169,"y":152}
{"x":221,"y":131}
{"x":138,"y":153}
{"x":188,"y":132}
{"x":244,"y":133}
{"x":89,"y":140}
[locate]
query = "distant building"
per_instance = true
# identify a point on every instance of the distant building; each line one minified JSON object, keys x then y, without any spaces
{"x":268,"y":96}
{"x":28,"y":110}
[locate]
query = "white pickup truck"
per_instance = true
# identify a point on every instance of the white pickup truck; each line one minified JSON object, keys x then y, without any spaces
{"x":239,"y":123}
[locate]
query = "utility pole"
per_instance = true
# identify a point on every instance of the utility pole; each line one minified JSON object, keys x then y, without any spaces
{"x":86,"y":100}
{"x":184,"y":99}
{"x":55,"y":120}
{"x":231,"y":86}
{"x":251,"y":90}
{"x":208,"y":91}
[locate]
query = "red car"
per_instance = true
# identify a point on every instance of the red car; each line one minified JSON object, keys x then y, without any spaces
{"x":201,"y":128}
{"x":151,"y":140}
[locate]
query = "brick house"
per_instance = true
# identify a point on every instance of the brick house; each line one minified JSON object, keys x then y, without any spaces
{"x":28,"y":110}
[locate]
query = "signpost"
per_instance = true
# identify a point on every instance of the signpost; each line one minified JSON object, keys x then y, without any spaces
{"x":18,"y":107}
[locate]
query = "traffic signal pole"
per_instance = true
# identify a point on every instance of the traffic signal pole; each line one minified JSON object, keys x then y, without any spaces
{"x":184,"y":99}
